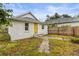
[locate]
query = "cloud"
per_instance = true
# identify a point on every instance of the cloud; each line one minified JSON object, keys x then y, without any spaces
{"x":64,"y":9}
{"x":39,"y":13}
{"x":47,"y":9}
{"x":17,"y":8}
{"x":54,"y":9}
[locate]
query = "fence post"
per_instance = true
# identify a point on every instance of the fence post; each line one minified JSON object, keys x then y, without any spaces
{"x":73,"y":31}
{"x":58,"y":30}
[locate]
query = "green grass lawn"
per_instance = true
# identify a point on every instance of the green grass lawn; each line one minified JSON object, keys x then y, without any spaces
{"x":25,"y":47}
{"x":63,"y":47}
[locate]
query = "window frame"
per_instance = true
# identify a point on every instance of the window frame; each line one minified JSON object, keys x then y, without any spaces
{"x":42,"y":26}
{"x":26,"y":26}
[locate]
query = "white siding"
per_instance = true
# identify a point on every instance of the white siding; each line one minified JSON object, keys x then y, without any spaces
{"x":69,"y":24}
{"x":17,"y":31}
{"x":42,"y":31}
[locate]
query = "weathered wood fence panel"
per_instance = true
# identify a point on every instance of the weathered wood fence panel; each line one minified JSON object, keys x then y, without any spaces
{"x":53,"y":30}
{"x":76,"y":31}
{"x":73,"y":31}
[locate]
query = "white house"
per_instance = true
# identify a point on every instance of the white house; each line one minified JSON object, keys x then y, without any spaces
{"x":25,"y":26}
{"x":74,"y":21}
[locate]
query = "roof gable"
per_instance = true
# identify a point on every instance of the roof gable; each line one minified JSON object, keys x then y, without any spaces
{"x":27,"y":15}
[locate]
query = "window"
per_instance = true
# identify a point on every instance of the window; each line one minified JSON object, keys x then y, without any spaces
{"x":42,"y":26}
{"x":26,"y":26}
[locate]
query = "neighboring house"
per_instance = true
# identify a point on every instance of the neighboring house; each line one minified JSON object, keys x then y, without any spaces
{"x":25,"y":26}
{"x":63,"y":22}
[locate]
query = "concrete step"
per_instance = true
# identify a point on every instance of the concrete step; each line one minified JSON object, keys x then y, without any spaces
{"x":38,"y":35}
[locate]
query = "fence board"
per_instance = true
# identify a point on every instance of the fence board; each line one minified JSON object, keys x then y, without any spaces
{"x":73,"y":31}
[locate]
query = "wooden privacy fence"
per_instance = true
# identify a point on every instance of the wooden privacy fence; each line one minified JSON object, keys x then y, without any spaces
{"x":73,"y":31}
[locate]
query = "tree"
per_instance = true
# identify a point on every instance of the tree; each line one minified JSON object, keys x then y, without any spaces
{"x":52,"y":17}
{"x":66,"y":16}
{"x":5,"y":15}
{"x":55,"y":16}
{"x":48,"y":17}
{"x":77,"y":15}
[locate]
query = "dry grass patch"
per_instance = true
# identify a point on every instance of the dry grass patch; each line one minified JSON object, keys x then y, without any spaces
{"x":63,"y":48}
{"x":61,"y":36}
{"x":25,"y":47}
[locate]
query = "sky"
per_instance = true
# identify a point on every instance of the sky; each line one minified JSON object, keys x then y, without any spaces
{"x":40,"y":10}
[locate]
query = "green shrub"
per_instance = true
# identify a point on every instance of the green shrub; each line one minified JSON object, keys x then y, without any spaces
{"x":4,"y":36}
{"x":75,"y":40}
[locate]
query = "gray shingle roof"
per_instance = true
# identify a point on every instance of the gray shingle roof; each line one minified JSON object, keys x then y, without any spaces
{"x":63,"y":20}
{"x":26,"y":19}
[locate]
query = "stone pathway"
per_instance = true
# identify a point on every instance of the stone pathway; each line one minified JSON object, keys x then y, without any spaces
{"x":44,"y":47}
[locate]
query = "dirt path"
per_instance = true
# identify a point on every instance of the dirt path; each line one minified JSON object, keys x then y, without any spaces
{"x":44,"y":47}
